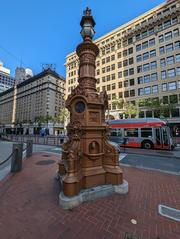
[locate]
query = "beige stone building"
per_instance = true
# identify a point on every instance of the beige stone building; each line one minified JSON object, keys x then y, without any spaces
{"x":139,"y":60}
{"x":38,"y":97}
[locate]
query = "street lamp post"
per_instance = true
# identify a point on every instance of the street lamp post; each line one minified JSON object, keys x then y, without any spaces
{"x":88,"y":157}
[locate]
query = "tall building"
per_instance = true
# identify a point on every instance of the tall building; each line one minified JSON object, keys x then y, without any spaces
{"x":6,"y":81}
{"x":22,"y":74}
{"x":41,"y":96}
{"x":139,"y":60}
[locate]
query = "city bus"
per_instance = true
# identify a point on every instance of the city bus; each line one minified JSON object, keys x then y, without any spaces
{"x":147,"y":133}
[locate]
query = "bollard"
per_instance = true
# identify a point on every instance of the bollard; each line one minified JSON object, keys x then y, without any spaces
{"x":29,"y":149}
{"x":16,"y":163}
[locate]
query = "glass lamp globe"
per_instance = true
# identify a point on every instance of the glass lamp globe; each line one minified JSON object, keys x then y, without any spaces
{"x":87,"y":30}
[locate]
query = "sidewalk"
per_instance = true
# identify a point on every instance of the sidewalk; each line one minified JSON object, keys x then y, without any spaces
{"x":29,"y":206}
{"x":153,"y":152}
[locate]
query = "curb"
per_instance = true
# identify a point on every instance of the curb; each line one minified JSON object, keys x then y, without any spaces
{"x":155,"y":155}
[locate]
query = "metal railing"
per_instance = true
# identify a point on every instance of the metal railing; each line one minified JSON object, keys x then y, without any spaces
{"x":17,"y":155}
{"x":44,"y":140}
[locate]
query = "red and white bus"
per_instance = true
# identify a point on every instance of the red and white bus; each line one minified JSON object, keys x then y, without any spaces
{"x":145,"y":133}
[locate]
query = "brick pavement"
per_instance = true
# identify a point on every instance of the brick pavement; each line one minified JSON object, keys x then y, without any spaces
{"x":29,"y":207}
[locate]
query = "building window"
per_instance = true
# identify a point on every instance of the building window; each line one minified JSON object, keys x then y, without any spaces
{"x":174,"y":20}
{"x":126,"y":83}
{"x":108,"y":87}
{"x":138,"y":47}
{"x":119,"y":64}
{"x":161,"y":38}
{"x":125,"y":53}
{"x":103,"y":70}
{"x":113,"y":86}
{"x":178,"y":71}
{"x":151,"y":42}
{"x":120,"y":74}
{"x":163,"y":62}
{"x":120,"y":94}
{"x":125,"y":62}
{"x":108,"y":78}
{"x":139,"y":69}
{"x":113,"y":77}
{"x":151,"y":30}
{"x":97,"y":72}
{"x":165,"y":100}
{"x":132,"y":93}
{"x":146,"y":78}
{"x":172,"y":85}
{"x":146,"y":67}
{"x":154,"y":77}
{"x":178,"y":84}
{"x":131,"y":81}
{"x":167,"y":24}
{"x":140,"y":80}
{"x":114,"y":96}
{"x":130,"y":40}
{"x":140,"y":91}
{"x":130,"y":50}
{"x":131,"y":61}
{"x":147,"y":90}
{"x":119,"y":55}
{"x":171,"y":73}
{"x":144,"y":45}
{"x":112,"y":57}
{"x":176,"y":33}
{"x":153,"y":65}
{"x":169,"y":48}
{"x":177,"y":57}
{"x":152,"y":53}
{"x":125,"y":73}
{"x":177,"y":45}
{"x":161,"y":50}
{"x":107,"y":59}
{"x":108,"y":68}
{"x":103,"y":79}
{"x":131,"y":71}
{"x":139,"y":58}
{"x":168,"y":36}
{"x":163,"y":75}
{"x":103,"y":61}
{"x":138,"y":37}
{"x":175,"y":112}
{"x":154,"y":89}
{"x":164,"y":87}
{"x":120,"y":84}
{"x":126,"y":93}
{"x":170,"y":60}
{"x":145,"y":56}
{"x":113,"y":67}
{"x":173,"y":99}
{"x":144,"y":34}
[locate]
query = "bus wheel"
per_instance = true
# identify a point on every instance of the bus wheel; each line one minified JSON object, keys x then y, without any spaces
{"x":147,"y":145}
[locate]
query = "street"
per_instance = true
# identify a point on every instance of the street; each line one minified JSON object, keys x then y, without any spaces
{"x":160,"y":160}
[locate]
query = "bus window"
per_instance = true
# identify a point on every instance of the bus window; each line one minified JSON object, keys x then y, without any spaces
{"x":119,"y":132}
{"x":165,"y":136}
{"x":131,"y":132}
{"x":146,"y":132}
{"x":113,"y":132}
{"x":158,"y":136}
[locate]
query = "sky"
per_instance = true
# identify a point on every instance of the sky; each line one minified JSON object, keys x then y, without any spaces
{"x":36,"y":32}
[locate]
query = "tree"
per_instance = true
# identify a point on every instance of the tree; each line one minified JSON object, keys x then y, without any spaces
{"x":130,"y":110}
{"x":127,"y":108}
{"x":63,"y":117}
{"x":159,"y":108}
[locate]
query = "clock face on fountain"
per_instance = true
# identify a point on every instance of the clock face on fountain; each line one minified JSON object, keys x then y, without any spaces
{"x":80,"y":107}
